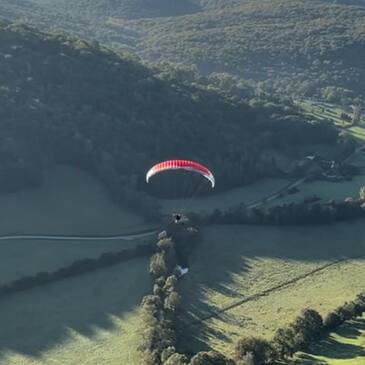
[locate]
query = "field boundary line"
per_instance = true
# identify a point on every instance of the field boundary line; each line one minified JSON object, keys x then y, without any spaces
{"x":121,"y":236}
{"x":278,"y":287}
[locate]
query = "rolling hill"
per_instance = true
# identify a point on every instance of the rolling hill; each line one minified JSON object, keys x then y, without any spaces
{"x":66,"y":101}
{"x":283,"y":46}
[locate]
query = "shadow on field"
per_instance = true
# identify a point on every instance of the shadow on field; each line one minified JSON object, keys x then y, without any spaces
{"x":43,"y":318}
{"x":227,"y":254}
{"x":335,"y":350}
{"x":353,"y":329}
{"x":305,"y":359}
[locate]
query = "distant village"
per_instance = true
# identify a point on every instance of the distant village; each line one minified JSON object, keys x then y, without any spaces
{"x":317,"y":167}
{"x":321,"y":168}
{"x":353,"y":114}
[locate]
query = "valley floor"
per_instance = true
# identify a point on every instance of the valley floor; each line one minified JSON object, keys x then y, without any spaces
{"x":251,"y":280}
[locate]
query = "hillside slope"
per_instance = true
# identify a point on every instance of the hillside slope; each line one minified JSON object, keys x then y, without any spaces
{"x":294,"y":46}
{"x":65,"y":101}
{"x":289,"y":47}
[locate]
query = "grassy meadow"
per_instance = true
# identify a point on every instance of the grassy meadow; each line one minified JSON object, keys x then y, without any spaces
{"x":358,"y":159}
{"x":333,"y":113}
{"x":90,"y":319}
{"x":246,"y":194}
{"x":93,"y":319}
{"x":358,"y":132}
{"x":346,"y":346}
{"x":234,"y":262}
{"x":326,"y":190}
{"x":69,"y":202}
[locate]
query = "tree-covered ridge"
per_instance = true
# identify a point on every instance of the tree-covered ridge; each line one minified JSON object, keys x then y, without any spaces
{"x":290,"y":47}
{"x":64,"y":100}
{"x":289,"y":28}
{"x":129,"y":9}
{"x":347,"y":2}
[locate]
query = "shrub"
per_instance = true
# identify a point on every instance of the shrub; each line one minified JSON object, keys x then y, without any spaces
{"x":257,"y":348}
{"x":210,"y":358}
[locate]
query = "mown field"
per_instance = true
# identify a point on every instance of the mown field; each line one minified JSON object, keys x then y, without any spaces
{"x":93,"y":319}
{"x":246,"y":194}
{"x":346,"y":346}
{"x":358,"y":159}
{"x":325,"y":190}
{"x":90,"y":319}
{"x":333,"y":113}
{"x":70,"y":202}
{"x":235,"y":262}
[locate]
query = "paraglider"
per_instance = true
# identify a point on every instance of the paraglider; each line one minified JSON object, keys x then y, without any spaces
{"x":193,"y":187}
{"x":181,"y":165}
{"x":180,"y":218}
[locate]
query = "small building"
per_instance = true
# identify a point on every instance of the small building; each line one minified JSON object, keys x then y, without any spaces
{"x":356,"y":116}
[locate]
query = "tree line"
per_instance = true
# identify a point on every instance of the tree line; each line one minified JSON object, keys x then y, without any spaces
{"x":307,"y":328}
{"x":159,"y":309}
{"x":301,"y":213}
{"x":76,"y":268}
{"x":159,"y":315}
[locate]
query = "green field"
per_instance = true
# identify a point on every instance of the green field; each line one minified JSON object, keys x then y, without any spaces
{"x":22,"y":258}
{"x":246,"y":194}
{"x":358,"y":159}
{"x":234,"y":262}
{"x":333,"y":113}
{"x":326,"y":190}
{"x":91,"y":319}
{"x":346,"y":346}
{"x":70,"y":202}
{"x":358,"y":132}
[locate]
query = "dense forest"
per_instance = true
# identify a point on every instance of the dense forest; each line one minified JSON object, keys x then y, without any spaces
{"x":290,"y":47}
{"x":295,"y":48}
{"x":66,"y":101}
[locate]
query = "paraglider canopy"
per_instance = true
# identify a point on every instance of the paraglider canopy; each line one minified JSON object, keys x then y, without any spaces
{"x":181,"y":165}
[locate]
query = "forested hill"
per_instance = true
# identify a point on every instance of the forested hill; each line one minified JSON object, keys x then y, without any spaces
{"x":127,"y":9}
{"x":347,"y":2}
{"x":122,"y":8}
{"x":64,"y":100}
{"x":293,"y":47}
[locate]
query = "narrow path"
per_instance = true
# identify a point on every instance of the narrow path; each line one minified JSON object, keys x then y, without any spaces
{"x":278,"y":287}
{"x":276,"y":194}
{"x":125,"y":237}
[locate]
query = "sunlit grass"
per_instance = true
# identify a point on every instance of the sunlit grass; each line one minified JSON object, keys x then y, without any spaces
{"x":69,"y":202}
{"x":91,"y":319}
{"x":245,"y":194}
{"x":358,"y":132}
{"x":325,"y":190}
{"x":235,"y":262}
{"x":346,"y":346}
